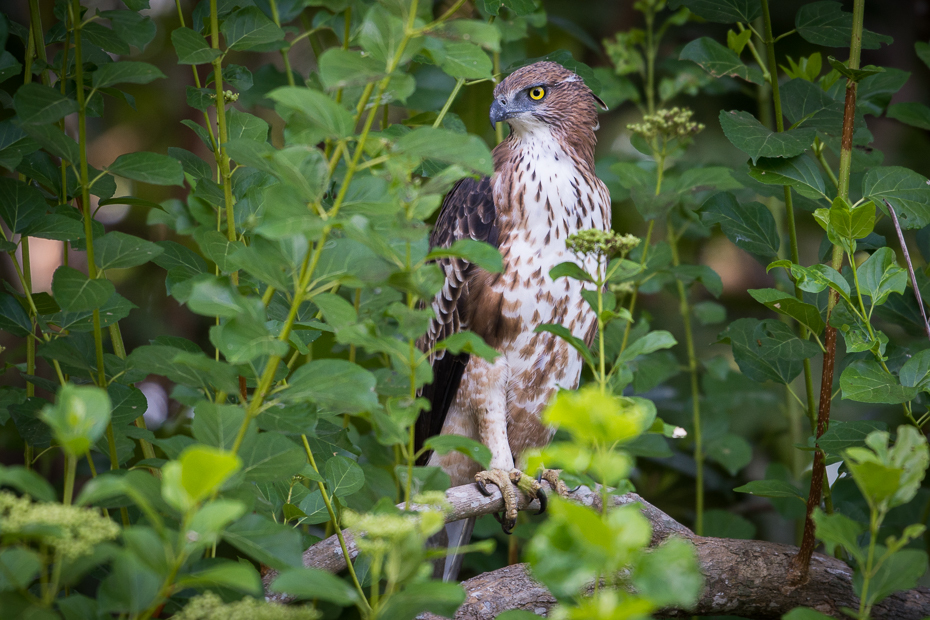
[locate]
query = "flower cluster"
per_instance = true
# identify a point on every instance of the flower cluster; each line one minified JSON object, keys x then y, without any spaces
{"x":73,"y":531}
{"x":667,"y":124}
{"x":209,"y":606}
{"x":379,"y":533}
{"x":605,"y":243}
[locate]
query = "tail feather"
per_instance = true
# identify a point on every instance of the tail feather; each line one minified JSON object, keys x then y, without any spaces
{"x":459,"y":535}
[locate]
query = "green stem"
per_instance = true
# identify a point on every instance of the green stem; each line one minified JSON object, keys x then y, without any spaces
{"x":685,"y":310}
{"x":222,"y":159}
{"x":310,"y":262}
{"x":335,"y":522}
{"x":650,"y":59}
{"x":119,"y":348}
{"x":284,"y":51}
{"x":452,"y":96}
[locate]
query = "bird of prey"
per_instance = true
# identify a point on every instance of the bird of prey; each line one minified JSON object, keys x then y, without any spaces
{"x":543,"y":190}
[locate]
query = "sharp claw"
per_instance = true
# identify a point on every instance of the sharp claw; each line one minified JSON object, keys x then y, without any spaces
{"x":482,"y":488}
{"x":543,"y":501}
{"x":498,"y":517}
{"x":507,"y":522}
{"x":575,"y":489}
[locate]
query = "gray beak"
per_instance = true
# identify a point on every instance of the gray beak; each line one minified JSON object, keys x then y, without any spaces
{"x":498,"y":112}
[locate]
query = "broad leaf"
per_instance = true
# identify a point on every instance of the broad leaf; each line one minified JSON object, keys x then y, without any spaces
{"x":784,"y":303}
{"x":20,"y":204}
{"x":315,"y":584}
{"x":75,"y":292}
{"x":125,"y":72}
{"x":906,"y":191}
{"x":477,"y":252}
{"x":767,"y":350}
{"x":826,"y":23}
{"x":771,"y":488}
{"x":722,"y":11}
{"x":443,"y":444}
{"x":449,"y":147}
{"x":149,"y":168}
{"x":718,"y":60}
{"x":343,"y":476}
{"x":249,"y":29}
{"x":799,"y":172}
{"x":747,"y":134}
{"x":192,"y":48}
{"x":117,"y":250}
{"x":866,"y":381}
{"x":750,"y":227}
{"x":37,"y":104}
{"x":335,"y":385}
{"x":318,"y":108}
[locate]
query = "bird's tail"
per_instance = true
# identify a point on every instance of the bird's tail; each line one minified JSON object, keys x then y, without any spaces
{"x":454,"y":535}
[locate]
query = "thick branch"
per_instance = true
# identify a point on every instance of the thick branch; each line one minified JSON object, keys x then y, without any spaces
{"x":743,"y":577}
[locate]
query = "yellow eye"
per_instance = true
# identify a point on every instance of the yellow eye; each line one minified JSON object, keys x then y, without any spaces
{"x":537,"y":93}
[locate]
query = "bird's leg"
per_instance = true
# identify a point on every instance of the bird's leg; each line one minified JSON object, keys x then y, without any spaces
{"x":502,"y":479}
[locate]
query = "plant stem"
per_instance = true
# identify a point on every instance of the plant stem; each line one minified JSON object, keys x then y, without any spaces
{"x":452,"y":96}
{"x":88,"y":218}
{"x":685,"y":310}
{"x":335,"y":522}
{"x":119,"y":348}
{"x":312,"y":258}
{"x":284,"y":51}
{"x":801,"y":561}
{"x":222,"y":159}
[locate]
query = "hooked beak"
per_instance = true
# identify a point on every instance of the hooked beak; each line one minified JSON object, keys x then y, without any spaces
{"x":499,"y":112}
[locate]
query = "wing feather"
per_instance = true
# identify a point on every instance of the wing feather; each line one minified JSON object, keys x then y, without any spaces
{"x":467,"y":212}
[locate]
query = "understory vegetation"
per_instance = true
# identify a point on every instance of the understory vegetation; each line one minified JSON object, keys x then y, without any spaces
{"x":261,"y":298}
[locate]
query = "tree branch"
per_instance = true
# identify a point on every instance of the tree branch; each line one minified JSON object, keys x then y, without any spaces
{"x":743,"y":577}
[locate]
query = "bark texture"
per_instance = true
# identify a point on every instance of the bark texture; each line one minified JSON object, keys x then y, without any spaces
{"x":743,"y":577}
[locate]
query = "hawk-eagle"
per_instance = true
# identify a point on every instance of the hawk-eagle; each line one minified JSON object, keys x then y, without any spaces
{"x":543,"y":190}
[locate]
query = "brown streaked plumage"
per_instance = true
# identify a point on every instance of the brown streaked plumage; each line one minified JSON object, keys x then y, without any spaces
{"x":543,"y":190}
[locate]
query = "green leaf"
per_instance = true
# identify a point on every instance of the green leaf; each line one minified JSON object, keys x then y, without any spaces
{"x":569,"y":269}
{"x":149,"y":168}
{"x":51,"y":138}
{"x":461,"y":59}
{"x":443,"y":444}
{"x":18,"y":568}
{"x":240,"y":576}
{"x":806,"y":314}
{"x":125,"y":72}
{"x":27,"y":482}
{"x":54,"y":226}
{"x":260,"y":538}
{"x":815,"y":279}
{"x":449,"y":147}
{"x":475,"y":31}
{"x":906,"y":191}
{"x":438,"y":597}
{"x":249,"y":29}
{"x":271,"y":457}
{"x":467,"y":342}
{"x":725,"y":524}
{"x":866,"y":381}
{"x":318,"y":108}
{"x":37,"y":104}
{"x":653,"y":341}
{"x":315,"y":584}
{"x":750,"y":227}
{"x":74,"y":292}
{"x":476,"y":252}
{"x":731,"y":451}
{"x":916,"y":371}
{"x":879,"y":276}
{"x":135,"y":29}
{"x":722,"y":11}
{"x":805,"y":613}
{"x":116,"y":250}
{"x":826,"y":23}
{"x":807,"y":105}
{"x":334,"y":385}
{"x":198,"y":472}
{"x":217,"y":425}
{"x":854,"y":75}
{"x":799,"y":172}
{"x":20,"y":204}
{"x":79,"y":417}
{"x":899,"y":571}
{"x":565,"y":334}
{"x":669,"y":576}
{"x":718,"y":60}
{"x":343,"y":476}
{"x":767,"y":350}
{"x":839,"y":530}
{"x":842,"y":435}
{"x":13,"y":317}
{"x":910,"y":113}
{"x":341,"y":68}
{"x":771,"y":488}
{"x":747,"y":134}
{"x":192,"y":48}
{"x":245,"y":126}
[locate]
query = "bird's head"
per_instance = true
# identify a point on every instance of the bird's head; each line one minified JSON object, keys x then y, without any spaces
{"x":545,"y":94}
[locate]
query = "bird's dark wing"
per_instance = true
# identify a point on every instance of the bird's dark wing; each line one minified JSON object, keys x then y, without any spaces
{"x":467,"y":213}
